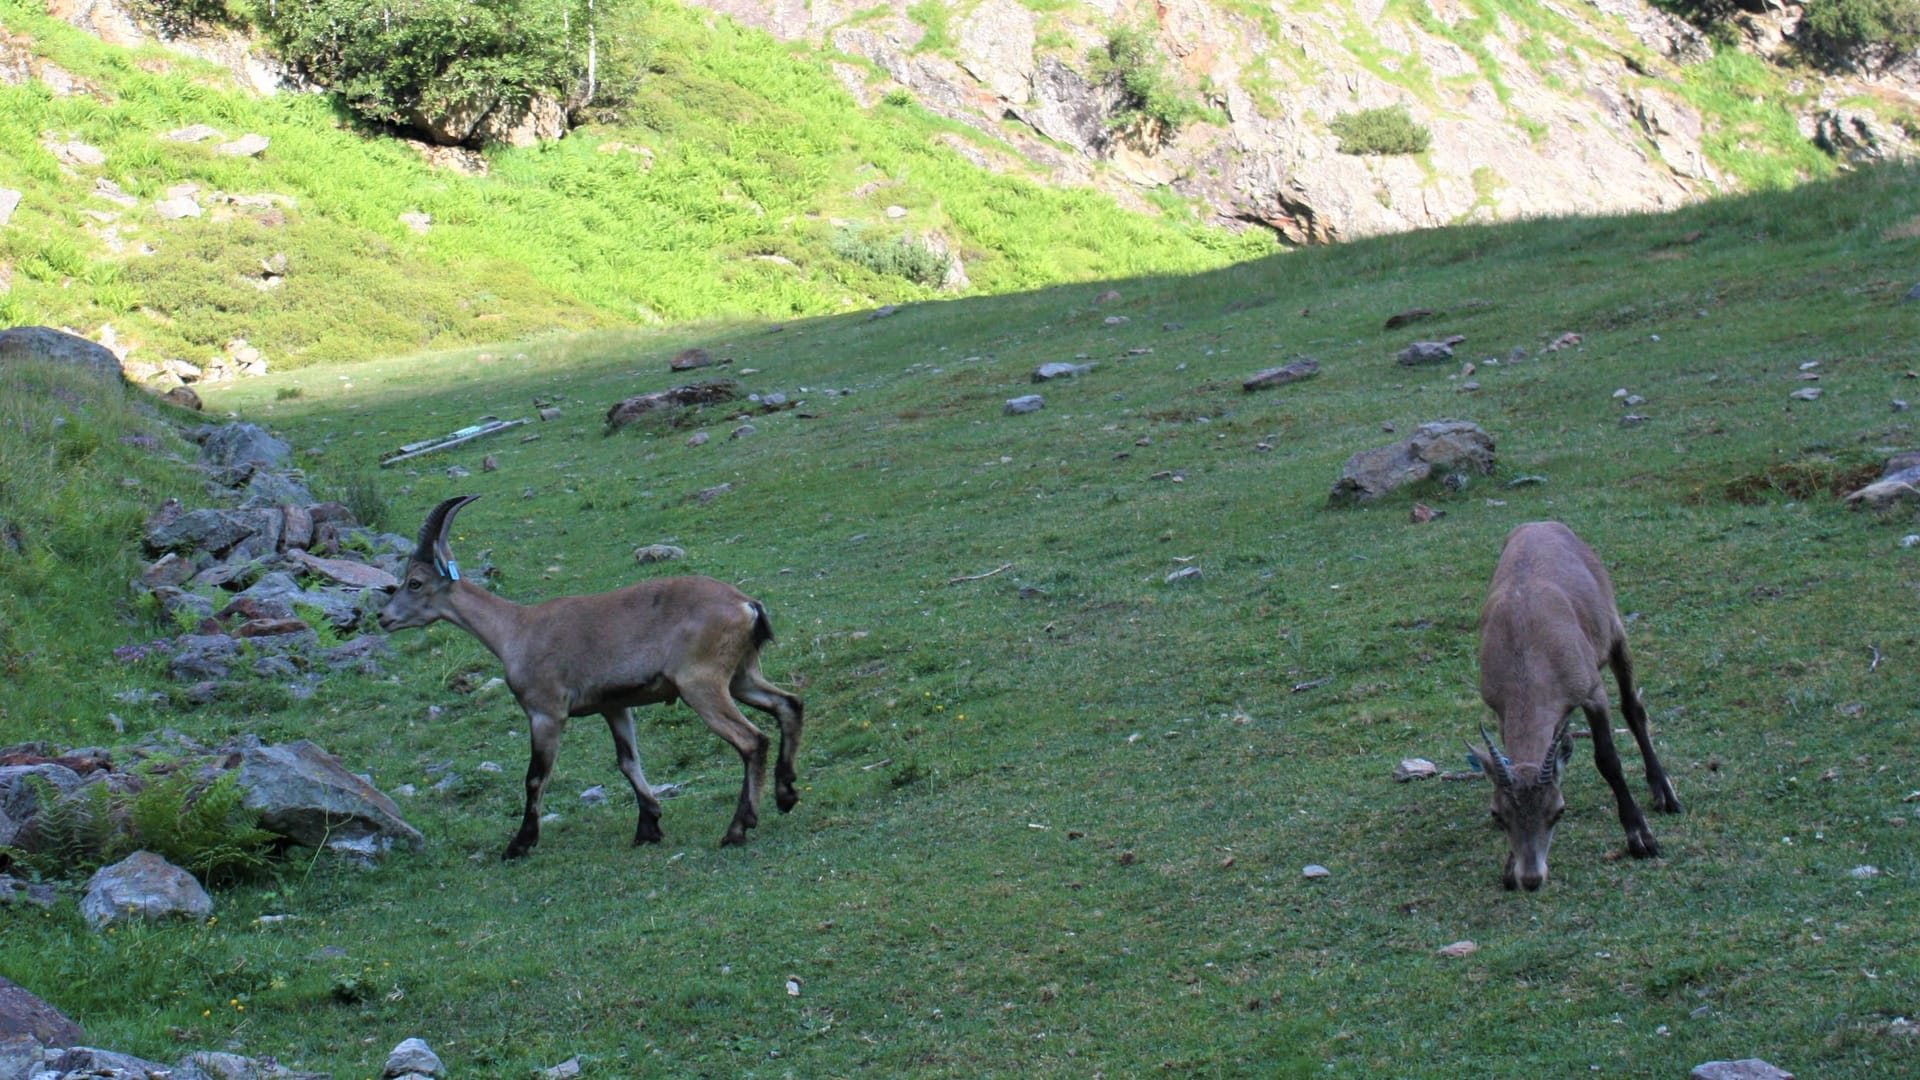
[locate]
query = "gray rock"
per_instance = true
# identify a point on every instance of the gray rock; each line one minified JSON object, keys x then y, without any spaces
{"x":1028,"y":403}
{"x":174,"y":601}
{"x":1444,"y":448}
{"x":653,"y":553}
{"x":1744,"y":1069}
{"x":19,"y":787}
{"x":248,"y":145}
{"x":271,"y":487}
{"x":87,"y":1063}
{"x":143,"y":886}
{"x":231,"y":445}
{"x":9,"y":202}
{"x":23,"y":1015}
{"x":303,"y":793}
{"x":218,"y":1066}
{"x":1414,"y":769}
{"x":1059,"y":370}
{"x":202,"y":658}
{"x":348,"y":572}
{"x":193,"y":133}
{"x":1806,"y":393}
{"x":21,"y":1056}
{"x":1303,"y":368}
{"x":15,"y":891}
{"x":412,"y":1056}
{"x":361,"y":654}
{"x":1426,"y":352}
{"x":59,"y":347}
{"x":178,"y":207}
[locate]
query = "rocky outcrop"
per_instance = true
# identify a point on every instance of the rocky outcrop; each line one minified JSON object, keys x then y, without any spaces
{"x":1584,"y":114}
{"x":301,"y":792}
{"x":1447,"y":450}
{"x":43,"y":343}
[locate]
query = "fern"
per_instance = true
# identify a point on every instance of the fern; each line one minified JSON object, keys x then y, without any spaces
{"x":207,"y":830}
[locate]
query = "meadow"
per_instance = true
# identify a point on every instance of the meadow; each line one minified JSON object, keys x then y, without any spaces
{"x":1055,"y":807}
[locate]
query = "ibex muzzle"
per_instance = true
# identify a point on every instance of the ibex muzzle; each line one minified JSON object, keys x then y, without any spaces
{"x":1548,"y":626}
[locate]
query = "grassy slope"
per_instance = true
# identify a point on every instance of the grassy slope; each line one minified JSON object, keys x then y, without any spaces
{"x":756,"y":151}
{"x":989,"y":874}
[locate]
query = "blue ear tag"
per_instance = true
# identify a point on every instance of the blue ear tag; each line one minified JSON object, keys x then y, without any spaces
{"x":453,"y":570}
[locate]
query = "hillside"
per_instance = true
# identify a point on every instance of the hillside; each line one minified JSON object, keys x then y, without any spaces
{"x":1056,"y":801}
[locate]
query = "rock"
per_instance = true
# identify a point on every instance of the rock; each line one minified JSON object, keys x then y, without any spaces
{"x":1634,"y":419}
{"x":184,"y":397}
{"x":1564,"y":341}
{"x":1459,"y":949}
{"x":1444,"y":447}
{"x":566,"y":1070}
{"x":1185,"y":573}
{"x":302,"y":793}
{"x":689,"y":359}
{"x":1744,"y":1069}
{"x":235,"y":445}
{"x":653,"y":553}
{"x":549,"y":413}
{"x":86,"y":1063}
{"x":15,"y":891}
{"x":1027,"y":403}
{"x":218,"y":1066}
{"x":680,"y":397}
{"x":417,"y":221}
{"x":698,"y":438}
{"x":743,"y":431}
{"x":1405,"y":318}
{"x":1806,"y":393}
{"x":249,"y":145}
{"x":356,"y":575}
{"x":594,"y":795}
{"x":178,"y":207}
{"x":1414,"y":769}
{"x":21,"y":1056}
{"x":143,"y":886}
{"x":1314,"y":871}
{"x":170,"y":569}
{"x":1863,"y":873}
{"x":1303,"y":368}
{"x":19,"y":797}
{"x":1059,"y":370}
{"x":1115,"y":320}
{"x":24,"y":1015}
{"x":412,"y":1056}
{"x":193,"y":133}
{"x":1425,"y":352}
{"x":44,"y":343}
{"x":9,"y":202}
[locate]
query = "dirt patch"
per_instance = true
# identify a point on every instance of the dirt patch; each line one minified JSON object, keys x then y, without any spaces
{"x":1801,"y":480}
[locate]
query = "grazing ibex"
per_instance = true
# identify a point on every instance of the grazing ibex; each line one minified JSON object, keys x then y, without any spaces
{"x":691,"y":638}
{"x":1548,"y":624}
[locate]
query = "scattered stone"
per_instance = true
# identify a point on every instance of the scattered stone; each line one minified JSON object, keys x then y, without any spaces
{"x":1459,"y":949}
{"x":1185,"y":573}
{"x":1862,"y":873}
{"x":1028,"y":403}
{"x":689,"y":359}
{"x":1429,"y":352}
{"x":707,"y":495}
{"x":184,"y":397}
{"x":9,"y":202}
{"x":1443,"y":448}
{"x":1414,"y":768}
{"x":743,"y":431}
{"x":180,"y":206}
{"x":1899,"y":405}
{"x":1744,"y":1069}
{"x":1303,"y":368}
{"x":458,"y":472}
{"x":1422,"y":513}
{"x":1395,"y":322}
{"x":412,"y":1056}
{"x":1116,"y":320}
{"x":1314,"y":871}
{"x":143,"y":886}
{"x":76,"y":153}
{"x":489,"y":464}
{"x":653,"y":553}
{"x":1633,"y":401}
{"x":678,"y":397}
{"x":346,"y":572}
{"x":1564,"y":341}
{"x":593,"y":795}
{"x":566,"y":1070}
{"x":1914,"y":293}
{"x":550,"y":412}
{"x":882,"y":312}
{"x":1113,"y":295}
{"x":194,"y":133}
{"x":1806,"y":393}
{"x":248,"y":145}
{"x":1526,"y":481}
{"x":1634,"y":420}
{"x":698,"y":438}
{"x":1060,"y":370}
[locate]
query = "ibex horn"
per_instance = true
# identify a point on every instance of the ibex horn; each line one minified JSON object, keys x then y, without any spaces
{"x":1504,"y":765}
{"x":432,"y":545}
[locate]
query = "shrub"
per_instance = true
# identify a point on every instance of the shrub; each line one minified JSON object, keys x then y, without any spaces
{"x":1151,"y":107}
{"x":393,"y":62}
{"x":204,"y":829}
{"x":1842,"y":28}
{"x":1381,"y":131}
{"x":900,"y":257}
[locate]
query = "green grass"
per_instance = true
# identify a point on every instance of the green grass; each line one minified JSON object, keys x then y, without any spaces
{"x":1053,"y":820}
{"x":753,"y":149}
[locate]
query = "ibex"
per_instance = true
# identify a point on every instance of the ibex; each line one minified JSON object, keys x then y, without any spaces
{"x":691,"y":638}
{"x":1549,"y":623}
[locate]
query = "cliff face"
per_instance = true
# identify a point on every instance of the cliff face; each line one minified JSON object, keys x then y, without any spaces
{"x":1537,"y":108}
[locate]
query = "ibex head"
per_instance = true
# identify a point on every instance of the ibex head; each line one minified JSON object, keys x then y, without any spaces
{"x":431,"y":571}
{"x":1527,"y":804}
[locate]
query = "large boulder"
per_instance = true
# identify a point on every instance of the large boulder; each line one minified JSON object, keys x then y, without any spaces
{"x":57,"y":346}
{"x":23,"y":1015}
{"x":232,"y":445}
{"x":20,"y":787}
{"x":303,"y":793}
{"x":143,"y":886}
{"x":1443,"y":448}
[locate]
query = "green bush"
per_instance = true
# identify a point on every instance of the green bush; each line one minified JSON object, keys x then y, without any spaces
{"x":204,"y":829}
{"x":1381,"y":131}
{"x":1841,"y":28}
{"x":1151,"y":108}
{"x":900,"y":257}
{"x":392,"y":62}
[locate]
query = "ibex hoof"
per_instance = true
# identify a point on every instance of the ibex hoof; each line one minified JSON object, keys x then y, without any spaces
{"x":1641,"y":845}
{"x":515,"y":851}
{"x":786,"y":800}
{"x":734,"y":838}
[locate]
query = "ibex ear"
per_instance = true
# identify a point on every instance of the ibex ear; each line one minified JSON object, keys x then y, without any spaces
{"x":431,"y":546}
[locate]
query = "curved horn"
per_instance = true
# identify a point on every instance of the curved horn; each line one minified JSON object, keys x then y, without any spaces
{"x":1502,"y":764}
{"x":432,"y":544}
{"x":1550,"y":769}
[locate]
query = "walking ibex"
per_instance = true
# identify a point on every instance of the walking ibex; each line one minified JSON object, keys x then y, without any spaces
{"x":691,"y":638}
{"x":1548,"y":625}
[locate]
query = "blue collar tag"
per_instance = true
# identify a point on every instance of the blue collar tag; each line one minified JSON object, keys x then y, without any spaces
{"x":453,"y":570}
